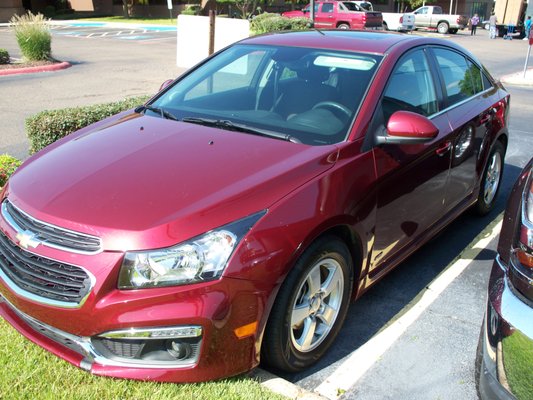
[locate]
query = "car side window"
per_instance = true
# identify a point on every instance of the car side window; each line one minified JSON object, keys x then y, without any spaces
{"x":487,"y":84}
{"x":327,"y":7}
{"x":462,"y":78}
{"x":410,"y":87}
{"x":423,"y":10}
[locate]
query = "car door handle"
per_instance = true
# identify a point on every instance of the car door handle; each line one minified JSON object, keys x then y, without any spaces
{"x":443,"y":149}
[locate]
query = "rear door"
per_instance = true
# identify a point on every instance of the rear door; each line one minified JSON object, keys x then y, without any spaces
{"x":325,"y":15}
{"x":472,"y":104}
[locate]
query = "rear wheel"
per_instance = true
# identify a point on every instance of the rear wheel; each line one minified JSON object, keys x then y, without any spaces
{"x":343,"y":26}
{"x":443,"y":27}
{"x":310,"y":308}
{"x":491,"y":179}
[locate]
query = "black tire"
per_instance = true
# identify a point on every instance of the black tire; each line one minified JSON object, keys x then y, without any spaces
{"x":343,"y":26}
{"x":453,"y":31}
{"x":298,"y":309}
{"x":443,"y":27}
{"x":491,"y":179}
{"x":385,"y":26}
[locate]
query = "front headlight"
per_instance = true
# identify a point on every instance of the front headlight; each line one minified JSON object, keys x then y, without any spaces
{"x":200,"y":259}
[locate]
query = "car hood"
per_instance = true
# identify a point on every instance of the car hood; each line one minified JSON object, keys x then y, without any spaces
{"x":151,"y":182}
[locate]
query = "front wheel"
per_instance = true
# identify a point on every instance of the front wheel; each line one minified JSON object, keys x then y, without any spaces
{"x":310,"y":308}
{"x":453,"y":31}
{"x":491,"y":179}
{"x":443,"y":27}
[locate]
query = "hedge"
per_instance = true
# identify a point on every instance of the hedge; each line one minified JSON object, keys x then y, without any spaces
{"x":8,"y":165}
{"x":270,"y":22}
{"x":48,"y":126}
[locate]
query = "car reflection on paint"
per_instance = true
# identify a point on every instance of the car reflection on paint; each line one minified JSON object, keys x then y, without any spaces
{"x":232,"y":218}
{"x":505,"y":349}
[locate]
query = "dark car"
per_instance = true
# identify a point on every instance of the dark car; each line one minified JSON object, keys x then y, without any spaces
{"x":235,"y":215}
{"x":505,"y":350}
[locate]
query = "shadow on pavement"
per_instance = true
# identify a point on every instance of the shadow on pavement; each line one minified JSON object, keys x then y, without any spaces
{"x":375,"y":309}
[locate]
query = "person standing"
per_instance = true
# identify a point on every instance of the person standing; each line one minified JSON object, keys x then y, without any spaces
{"x":527,"y":26}
{"x":473,"y":23}
{"x":493,"y":20}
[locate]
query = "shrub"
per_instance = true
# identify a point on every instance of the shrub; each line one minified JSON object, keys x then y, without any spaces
{"x":49,"y":11}
{"x":33,"y":36}
{"x":8,"y":165}
{"x":48,"y":126}
{"x":4,"y":56}
{"x":269,"y":22}
{"x":191,"y":9}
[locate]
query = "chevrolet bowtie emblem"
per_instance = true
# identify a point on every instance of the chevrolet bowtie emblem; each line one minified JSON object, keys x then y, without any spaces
{"x":28,"y":239}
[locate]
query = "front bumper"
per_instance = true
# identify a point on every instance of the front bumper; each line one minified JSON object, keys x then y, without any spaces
{"x":212,"y":347}
{"x":506,"y":347}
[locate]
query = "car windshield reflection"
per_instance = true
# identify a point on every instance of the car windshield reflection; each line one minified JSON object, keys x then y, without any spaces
{"x":306,"y":94}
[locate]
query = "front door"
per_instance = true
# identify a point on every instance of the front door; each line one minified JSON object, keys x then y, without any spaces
{"x":412,"y":177}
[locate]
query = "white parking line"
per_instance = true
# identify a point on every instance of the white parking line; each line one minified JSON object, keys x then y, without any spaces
{"x":360,"y":361}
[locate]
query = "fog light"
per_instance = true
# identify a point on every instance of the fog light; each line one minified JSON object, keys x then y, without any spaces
{"x":179,"y":350}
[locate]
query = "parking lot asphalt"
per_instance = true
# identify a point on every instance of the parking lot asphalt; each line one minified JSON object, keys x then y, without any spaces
{"x":432,"y":357}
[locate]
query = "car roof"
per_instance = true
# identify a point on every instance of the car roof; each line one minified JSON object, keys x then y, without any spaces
{"x":376,"y":42}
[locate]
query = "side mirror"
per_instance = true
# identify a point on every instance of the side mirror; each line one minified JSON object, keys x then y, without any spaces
{"x":405,"y":127}
{"x":165,"y":84}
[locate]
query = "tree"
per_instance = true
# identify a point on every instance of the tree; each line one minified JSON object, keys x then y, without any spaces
{"x":245,"y":7}
{"x":127,"y":6}
{"x":414,"y":4}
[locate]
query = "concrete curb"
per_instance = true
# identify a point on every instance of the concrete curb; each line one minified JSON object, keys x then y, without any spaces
{"x":283,"y":387}
{"x":31,"y":70}
{"x":518,"y":78}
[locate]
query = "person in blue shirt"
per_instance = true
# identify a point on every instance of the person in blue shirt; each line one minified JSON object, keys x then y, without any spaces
{"x":527,"y":26}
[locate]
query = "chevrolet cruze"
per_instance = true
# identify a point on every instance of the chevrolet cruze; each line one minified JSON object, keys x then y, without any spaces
{"x":234,"y":216}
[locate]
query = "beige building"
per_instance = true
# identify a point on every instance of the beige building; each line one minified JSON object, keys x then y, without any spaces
{"x":8,"y":8}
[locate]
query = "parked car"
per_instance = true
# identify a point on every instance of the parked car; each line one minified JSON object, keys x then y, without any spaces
{"x":433,"y":17}
{"x":232,"y":218}
{"x":505,"y":352}
{"x":340,"y":15}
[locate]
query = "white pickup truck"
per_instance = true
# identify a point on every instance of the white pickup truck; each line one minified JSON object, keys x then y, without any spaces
{"x":432,"y":17}
{"x":398,"y":22}
{"x":391,"y":21}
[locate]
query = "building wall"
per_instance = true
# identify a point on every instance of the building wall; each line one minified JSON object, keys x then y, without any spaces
{"x":97,"y":6}
{"x":8,"y":8}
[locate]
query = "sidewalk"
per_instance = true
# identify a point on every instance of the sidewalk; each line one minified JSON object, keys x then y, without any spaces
{"x":519,"y":78}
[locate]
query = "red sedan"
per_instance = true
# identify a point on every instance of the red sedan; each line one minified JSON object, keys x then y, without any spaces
{"x":234,"y":216}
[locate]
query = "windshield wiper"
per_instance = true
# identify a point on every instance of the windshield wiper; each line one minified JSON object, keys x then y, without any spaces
{"x":232,"y":126}
{"x":157,"y":110}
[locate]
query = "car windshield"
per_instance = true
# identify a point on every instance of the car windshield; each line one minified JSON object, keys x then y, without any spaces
{"x":299,"y":94}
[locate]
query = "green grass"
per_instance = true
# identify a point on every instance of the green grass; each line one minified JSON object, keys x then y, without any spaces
{"x":518,"y":355}
{"x":133,"y":20}
{"x":29,"y":372}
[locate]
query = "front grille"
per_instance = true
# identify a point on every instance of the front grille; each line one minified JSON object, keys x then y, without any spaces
{"x":50,"y":235}
{"x":43,"y":277}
